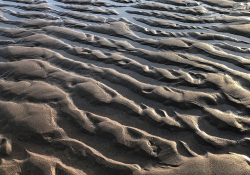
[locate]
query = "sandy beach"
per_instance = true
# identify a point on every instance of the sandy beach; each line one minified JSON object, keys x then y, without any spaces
{"x":124,"y":87}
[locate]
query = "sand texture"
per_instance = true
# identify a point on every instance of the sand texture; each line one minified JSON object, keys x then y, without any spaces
{"x":124,"y":87}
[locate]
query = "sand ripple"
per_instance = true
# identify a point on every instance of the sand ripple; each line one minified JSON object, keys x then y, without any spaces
{"x":108,"y":87}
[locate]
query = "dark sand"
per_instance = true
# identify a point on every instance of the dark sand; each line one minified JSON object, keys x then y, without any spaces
{"x":124,"y":87}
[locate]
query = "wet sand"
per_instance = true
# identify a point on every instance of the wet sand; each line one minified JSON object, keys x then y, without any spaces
{"x":120,"y":87}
